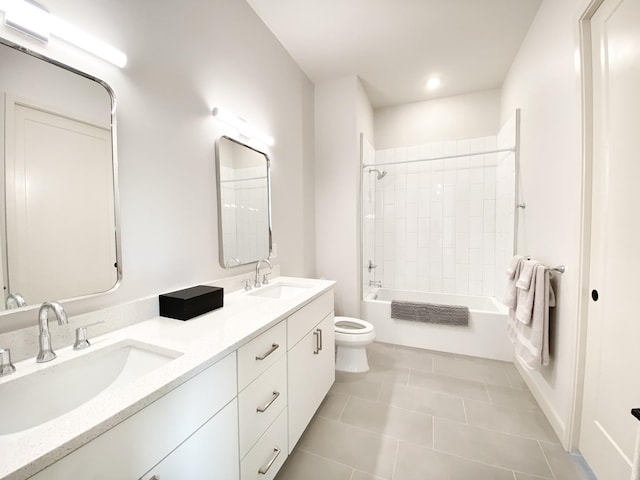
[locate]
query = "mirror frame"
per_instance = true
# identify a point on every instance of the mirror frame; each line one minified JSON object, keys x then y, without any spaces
{"x":114,"y":163}
{"x":219,"y":197}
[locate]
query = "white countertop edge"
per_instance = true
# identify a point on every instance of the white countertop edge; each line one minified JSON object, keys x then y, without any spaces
{"x":26,"y":453}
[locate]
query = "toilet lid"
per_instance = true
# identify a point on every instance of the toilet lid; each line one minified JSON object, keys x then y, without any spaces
{"x":352,"y":326}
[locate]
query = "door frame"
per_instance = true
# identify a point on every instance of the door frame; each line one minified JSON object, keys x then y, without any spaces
{"x":586,"y":83}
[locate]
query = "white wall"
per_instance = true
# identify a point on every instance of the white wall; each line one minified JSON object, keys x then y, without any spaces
{"x":341,"y":108}
{"x":545,"y":84}
{"x":182,"y":62}
{"x":451,"y":118}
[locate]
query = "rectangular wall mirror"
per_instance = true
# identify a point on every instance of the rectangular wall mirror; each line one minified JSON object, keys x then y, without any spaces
{"x":59,"y":220}
{"x":244,"y":203}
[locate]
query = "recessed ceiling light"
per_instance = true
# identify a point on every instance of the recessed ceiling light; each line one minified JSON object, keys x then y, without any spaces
{"x":433,"y":83}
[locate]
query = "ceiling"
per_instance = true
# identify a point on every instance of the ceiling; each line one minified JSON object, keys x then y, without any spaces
{"x":395,"y":46}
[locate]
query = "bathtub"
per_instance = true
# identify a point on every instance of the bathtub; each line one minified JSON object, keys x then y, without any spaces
{"x":484,"y":337}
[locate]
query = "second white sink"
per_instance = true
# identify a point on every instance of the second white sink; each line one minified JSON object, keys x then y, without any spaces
{"x":45,"y":394}
{"x":282,"y":291}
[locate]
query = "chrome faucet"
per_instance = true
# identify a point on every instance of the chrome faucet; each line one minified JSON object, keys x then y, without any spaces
{"x":46,"y":354}
{"x":375,"y":283}
{"x":260,"y":262}
{"x":15,"y":300}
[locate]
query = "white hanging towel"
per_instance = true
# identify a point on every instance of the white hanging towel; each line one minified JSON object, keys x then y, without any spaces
{"x":512,"y":273}
{"x":532,"y":340}
{"x":525,"y":287}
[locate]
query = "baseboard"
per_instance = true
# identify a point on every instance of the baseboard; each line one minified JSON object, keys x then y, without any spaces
{"x":552,"y":415}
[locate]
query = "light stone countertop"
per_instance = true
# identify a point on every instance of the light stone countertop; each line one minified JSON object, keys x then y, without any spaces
{"x":203,"y":340}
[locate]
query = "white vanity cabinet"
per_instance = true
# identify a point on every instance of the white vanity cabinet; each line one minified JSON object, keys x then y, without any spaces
{"x":311,"y":362}
{"x":238,"y":419}
{"x":208,"y":454}
{"x":176,"y":420}
{"x":262,"y":401}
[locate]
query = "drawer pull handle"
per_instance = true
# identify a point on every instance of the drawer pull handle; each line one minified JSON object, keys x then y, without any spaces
{"x":320,"y":335}
{"x":267,"y":405}
{"x":265,"y":469}
{"x":274,"y":347}
{"x":316,"y":347}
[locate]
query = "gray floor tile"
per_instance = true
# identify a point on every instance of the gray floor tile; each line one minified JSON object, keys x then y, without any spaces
{"x":419,"y":463}
{"x":511,"y":398}
{"x":490,"y":372}
{"x":402,"y":357}
{"x":493,"y":448}
{"x":526,"y":476}
{"x":566,"y":466}
{"x":362,"y":476}
{"x":388,"y":420}
{"x":363,"y":450}
{"x":387,"y":374}
{"x":332,"y":405}
{"x":307,"y":466}
{"x":533,"y":425}
{"x":423,"y":401}
{"x":515,"y":379}
{"x":357,"y":385}
{"x":444,"y":384}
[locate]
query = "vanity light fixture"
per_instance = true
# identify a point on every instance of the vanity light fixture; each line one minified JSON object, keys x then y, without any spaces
{"x":32,"y":19}
{"x":242,"y":126}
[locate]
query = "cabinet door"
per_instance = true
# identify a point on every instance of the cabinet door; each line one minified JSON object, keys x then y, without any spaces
{"x":311,"y":374}
{"x":210,"y":453}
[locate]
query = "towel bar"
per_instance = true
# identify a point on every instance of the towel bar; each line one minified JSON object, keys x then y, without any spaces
{"x":559,"y":269}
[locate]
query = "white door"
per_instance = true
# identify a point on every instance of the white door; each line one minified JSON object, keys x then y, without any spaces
{"x":60,"y":205}
{"x":612,"y":385}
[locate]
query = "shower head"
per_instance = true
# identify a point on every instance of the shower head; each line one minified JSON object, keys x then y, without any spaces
{"x":379,"y":174}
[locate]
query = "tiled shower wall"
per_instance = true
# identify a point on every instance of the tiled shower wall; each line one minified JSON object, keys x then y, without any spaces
{"x":435,"y":223}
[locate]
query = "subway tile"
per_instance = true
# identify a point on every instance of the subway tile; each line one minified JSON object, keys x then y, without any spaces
{"x":449,"y":285}
{"x":463,"y":146}
{"x":475,"y":287}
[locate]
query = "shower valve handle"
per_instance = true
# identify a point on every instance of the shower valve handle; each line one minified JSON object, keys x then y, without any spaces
{"x":371,"y":266}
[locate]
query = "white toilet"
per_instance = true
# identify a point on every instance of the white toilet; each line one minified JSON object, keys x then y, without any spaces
{"x":352,"y":337}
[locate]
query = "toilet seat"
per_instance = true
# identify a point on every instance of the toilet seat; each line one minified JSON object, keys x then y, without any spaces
{"x":352,"y":326}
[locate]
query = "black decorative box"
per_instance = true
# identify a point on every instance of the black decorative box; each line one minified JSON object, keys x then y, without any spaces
{"x":191,"y":302}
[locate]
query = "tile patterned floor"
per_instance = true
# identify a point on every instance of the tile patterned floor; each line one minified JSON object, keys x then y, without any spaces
{"x":425,"y":415}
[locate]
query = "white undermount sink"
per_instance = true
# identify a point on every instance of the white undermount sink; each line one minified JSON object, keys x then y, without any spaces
{"x":282,"y":291}
{"x":45,"y":394}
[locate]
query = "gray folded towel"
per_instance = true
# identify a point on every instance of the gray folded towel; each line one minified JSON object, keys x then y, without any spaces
{"x":430,"y":313}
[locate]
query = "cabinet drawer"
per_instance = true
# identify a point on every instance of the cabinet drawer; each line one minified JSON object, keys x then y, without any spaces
{"x":302,"y":321}
{"x":130,"y":448}
{"x":268,"y":454}
{"x":260,"y":353}
{"x":268,"y":393}
{"x":208,"y":453}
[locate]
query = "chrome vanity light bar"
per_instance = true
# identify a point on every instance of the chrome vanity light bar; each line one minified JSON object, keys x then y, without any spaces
{"x":31,"y":18}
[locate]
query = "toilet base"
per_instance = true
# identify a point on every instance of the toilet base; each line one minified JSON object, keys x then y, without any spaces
{"x":351,"y":359}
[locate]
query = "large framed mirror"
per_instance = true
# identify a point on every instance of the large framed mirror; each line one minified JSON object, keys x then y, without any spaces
{"x":244,"y":203}
{"x":59,"y":219}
